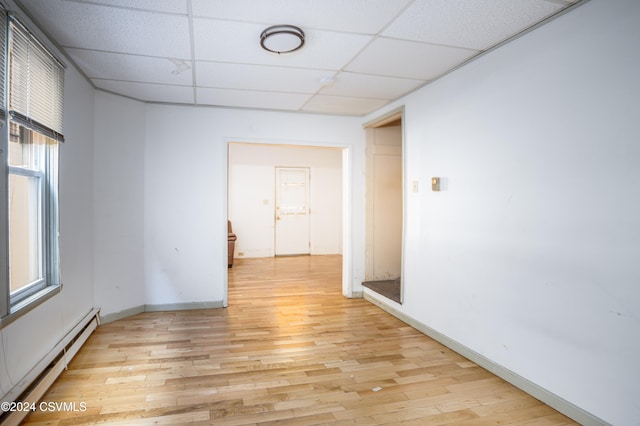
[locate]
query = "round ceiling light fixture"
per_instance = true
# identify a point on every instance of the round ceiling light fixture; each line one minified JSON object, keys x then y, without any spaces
{"x":282,"y":39}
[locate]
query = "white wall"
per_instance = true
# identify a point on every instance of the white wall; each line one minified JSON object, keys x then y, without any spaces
{"x":529,"y":256}
{"x":24,"y":342}
{"x":185,"y":191}
{"x":119,"y":203}
{"x":252,"y":196}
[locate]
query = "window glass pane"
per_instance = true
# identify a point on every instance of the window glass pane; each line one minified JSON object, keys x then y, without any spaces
{"x":25,"y":231}
{"x":26,"y":147}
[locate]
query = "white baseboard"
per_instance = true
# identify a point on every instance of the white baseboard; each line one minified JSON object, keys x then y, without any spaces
{"x":183,"y":306}
{"x":560,"y":404}
{"x":129,"y":312}
{"x":159,"y":308}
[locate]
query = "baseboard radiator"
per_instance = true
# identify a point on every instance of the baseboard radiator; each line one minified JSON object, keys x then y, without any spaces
{"x":34,"y":385}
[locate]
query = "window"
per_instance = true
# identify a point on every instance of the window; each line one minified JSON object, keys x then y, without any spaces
{"x":31,"y":211}
{"x":32,"y":130}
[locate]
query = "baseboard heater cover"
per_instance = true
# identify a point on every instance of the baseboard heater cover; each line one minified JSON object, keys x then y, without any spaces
{"x":33,"y":387}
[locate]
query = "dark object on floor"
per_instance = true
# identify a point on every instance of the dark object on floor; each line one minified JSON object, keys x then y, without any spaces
{"x":232,"y":243}
{"x":388,"y":288}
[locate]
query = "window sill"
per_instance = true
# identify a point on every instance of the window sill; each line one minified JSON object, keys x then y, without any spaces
{"x":29,"y":303}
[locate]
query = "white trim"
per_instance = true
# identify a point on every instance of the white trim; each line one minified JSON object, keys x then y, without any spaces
{"x":565,"y":407}
{"x":357,"y":295}
{"x":187,"y":306}
{"x":347,"y":224}
{"x":183,"y":306}
{"x":125,"y":313}
{"x":347,"y":200}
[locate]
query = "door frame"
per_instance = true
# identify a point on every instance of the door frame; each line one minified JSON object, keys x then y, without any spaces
{"x":347,"y":209}
{"x":381,"y":121}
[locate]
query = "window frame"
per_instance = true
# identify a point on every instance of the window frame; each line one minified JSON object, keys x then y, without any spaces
{"x":23,"y":300}
{"x":29,"y":288}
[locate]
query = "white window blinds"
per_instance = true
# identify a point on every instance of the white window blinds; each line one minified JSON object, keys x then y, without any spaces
{"x":36,"y":82}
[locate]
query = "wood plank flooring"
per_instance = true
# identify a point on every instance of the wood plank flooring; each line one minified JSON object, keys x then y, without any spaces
{"x":288,"y":350}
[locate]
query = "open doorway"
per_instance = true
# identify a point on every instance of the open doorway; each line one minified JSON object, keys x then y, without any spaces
{"x":313,"y":178}
{"x":384,"y":207}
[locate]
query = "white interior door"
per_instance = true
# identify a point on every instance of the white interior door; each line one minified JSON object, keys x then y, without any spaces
{"x":292,"y":211}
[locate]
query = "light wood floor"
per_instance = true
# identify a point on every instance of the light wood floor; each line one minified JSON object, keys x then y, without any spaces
{"x":288,"y":350}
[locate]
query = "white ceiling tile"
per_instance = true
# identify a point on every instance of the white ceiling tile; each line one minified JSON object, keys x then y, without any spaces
{"x":325,"y":104}
{"x":356,"y":16}
{"x":225,"y":41}
{"x":407,"y":59}
{"x":258,"y":77}
{"x":251,"y":99}
{"x":475,"y":24}
{"x":117,"y":66}
{"x":112,"y":29}
{"x":148,"y":92}
{"x":168,"y":6}
{"x":377,"y":50}
{"x":370,"y":86}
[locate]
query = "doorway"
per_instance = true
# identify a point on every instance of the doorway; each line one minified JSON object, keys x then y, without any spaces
{"x":251,"y":199}
{"x":384,"y":207}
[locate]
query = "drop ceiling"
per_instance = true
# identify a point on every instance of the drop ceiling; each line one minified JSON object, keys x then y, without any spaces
{"x":358,"y":54}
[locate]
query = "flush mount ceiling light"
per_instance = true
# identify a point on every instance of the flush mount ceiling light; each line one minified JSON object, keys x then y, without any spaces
{"x":282,"y":39}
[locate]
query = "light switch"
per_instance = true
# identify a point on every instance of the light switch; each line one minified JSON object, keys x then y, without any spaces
{"x":435,"y":184}
{"x":414,"y":186}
